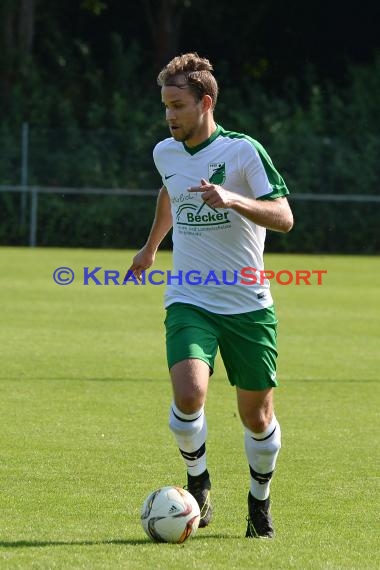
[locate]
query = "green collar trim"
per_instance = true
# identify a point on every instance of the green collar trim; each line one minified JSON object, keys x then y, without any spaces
{"x":194,"y":149}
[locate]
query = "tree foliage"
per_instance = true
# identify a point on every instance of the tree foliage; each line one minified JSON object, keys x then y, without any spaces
{"x":82,"y":74}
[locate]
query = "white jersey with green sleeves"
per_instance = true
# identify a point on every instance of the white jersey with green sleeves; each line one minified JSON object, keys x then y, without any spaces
{"x":213,"y":245}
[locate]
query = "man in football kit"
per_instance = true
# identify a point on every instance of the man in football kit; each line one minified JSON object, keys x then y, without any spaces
{"x":220,"y":192}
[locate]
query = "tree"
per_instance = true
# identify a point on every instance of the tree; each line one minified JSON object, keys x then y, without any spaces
{"x":17,"y":23}
{"x":164,"y":20}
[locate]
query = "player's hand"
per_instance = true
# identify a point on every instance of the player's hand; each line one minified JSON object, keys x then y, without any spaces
{"x":214,"y":195}
{"x":142,"y":261}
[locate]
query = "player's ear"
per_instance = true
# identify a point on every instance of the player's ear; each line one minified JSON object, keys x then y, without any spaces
{"x":206,"y":103}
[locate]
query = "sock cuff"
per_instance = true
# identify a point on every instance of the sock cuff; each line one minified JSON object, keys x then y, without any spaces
{"x":271,"y":429}
{"x":186,"y":417}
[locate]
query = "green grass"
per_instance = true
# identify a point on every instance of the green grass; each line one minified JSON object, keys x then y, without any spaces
{"x":84,"y":397}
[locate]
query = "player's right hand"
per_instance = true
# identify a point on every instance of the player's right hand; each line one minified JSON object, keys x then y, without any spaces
{"x":142,"y":261}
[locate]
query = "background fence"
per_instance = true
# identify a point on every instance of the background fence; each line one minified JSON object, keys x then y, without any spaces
{"x":36,"y":209}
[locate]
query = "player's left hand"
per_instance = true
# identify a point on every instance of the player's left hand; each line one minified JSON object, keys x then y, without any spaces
{"x":214,"y":195}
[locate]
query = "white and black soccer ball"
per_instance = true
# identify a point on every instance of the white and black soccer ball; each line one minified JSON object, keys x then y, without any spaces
{"x":170,"y":514}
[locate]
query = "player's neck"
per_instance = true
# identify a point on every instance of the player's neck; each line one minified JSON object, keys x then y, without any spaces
{"x":208,"y":128}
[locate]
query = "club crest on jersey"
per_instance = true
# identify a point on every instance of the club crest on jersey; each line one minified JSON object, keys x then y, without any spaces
{"x":217,"y":172}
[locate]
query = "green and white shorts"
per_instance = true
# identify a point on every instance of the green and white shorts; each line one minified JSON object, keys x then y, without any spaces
{"x":247,"y":342}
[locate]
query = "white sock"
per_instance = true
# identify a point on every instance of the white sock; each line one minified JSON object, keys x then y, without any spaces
{"x":190,"y":431}
{"x":262,"y":450}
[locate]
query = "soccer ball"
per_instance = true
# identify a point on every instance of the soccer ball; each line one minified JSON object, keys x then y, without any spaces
{"x":170,"y":514}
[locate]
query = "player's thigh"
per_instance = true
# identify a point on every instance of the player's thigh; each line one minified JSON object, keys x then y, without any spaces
{"x":191,"y":346}
{"x":190,"y":382}
{"x":255,"y":408}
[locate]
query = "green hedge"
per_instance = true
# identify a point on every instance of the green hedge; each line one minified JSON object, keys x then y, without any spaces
{"x":124,"y":222}
{"x":322,"y":137}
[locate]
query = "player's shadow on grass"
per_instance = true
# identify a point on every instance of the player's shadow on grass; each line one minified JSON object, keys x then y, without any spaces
{"x":45,"y":543}
{"x":118,"y":542}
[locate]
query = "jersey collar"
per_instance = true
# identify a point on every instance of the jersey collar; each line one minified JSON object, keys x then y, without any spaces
{"x":194,"y":149}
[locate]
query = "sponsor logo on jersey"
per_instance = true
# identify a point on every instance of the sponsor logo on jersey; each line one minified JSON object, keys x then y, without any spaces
{"x":217,"y":172}
{"x":204,"y":215}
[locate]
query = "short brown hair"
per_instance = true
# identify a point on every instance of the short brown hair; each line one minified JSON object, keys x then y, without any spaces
{"x":192,"y":71}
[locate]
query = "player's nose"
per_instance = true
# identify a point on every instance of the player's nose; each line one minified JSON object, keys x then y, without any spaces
{"x":170,"y":115}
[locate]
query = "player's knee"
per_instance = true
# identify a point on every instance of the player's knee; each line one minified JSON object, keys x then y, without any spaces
{"x":256,"y":410}
{"x":189,"y":403}
{"x":257,"y":422}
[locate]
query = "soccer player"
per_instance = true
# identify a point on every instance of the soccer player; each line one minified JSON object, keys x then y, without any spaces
{"x":220,"y":192}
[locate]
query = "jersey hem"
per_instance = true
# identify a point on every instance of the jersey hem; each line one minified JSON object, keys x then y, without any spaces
{"x":232,"y":312}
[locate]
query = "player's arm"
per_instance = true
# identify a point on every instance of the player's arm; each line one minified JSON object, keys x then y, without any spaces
{"x":271,"y":214}
{"x":162,"y":224}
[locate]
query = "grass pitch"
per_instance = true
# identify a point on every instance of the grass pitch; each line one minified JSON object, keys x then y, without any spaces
{"x":84,"y":398}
